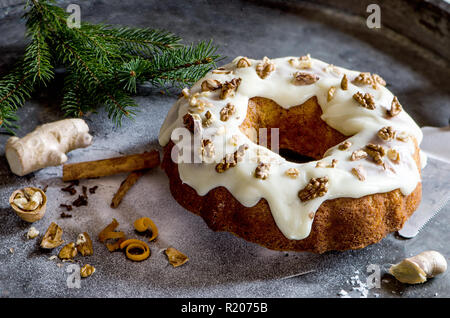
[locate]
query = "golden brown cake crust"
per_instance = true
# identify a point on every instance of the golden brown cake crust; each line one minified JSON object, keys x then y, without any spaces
{"x":339,"y":224}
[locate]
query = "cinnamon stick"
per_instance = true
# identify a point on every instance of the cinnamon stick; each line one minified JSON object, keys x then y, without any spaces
{"x":125,"y":186}
{"x":107,"y":167}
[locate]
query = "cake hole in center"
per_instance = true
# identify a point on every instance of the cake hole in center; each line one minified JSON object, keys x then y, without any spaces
{"x":303,"y":135}
{"x":293,"y":156}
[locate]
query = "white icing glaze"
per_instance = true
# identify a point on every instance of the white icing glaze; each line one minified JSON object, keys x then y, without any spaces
{"x":342,"y":113}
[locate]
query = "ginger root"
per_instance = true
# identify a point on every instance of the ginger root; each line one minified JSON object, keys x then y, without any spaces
{"x":46,"y":146}
{"x":419,"y":268}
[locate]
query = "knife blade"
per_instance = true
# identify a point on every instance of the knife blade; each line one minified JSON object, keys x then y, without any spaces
{"x":435,"y":196}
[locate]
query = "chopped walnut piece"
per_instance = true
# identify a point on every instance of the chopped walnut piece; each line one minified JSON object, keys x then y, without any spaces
{"x":207,"y":149}
{"x":393,"y":155}
{"x":386,"y":133}
{"x":321,"y":164}
{"x":345,"y":145}
{"x":403,"y":136}
{"x":363,"y":79}
{"x":191,"y":122}
{"x":87,"y":270}
{"x":210,"y":85}
{"x":330,"y":68}
{"x":344,"y":82}
{"x":229,"y":88}
{"x":330,"y":93}
{"x":264,"y":68}
{"x":366,"y":78}
{"x":365,"y":100}
{"x":227,"y":111}
{"x":302,"y":62}
{"x":292,"y":172}
{"x":396,"y":108}
{"x":359,"y":172}
{"x":209,"y":119}
{"x":305,"y":61}
{"x":68,"y":252}
{"x":243,"y":62}
{"x":198,"y":105}
{"x":334,"y":163}
{"x":302,"y":78}
{"x":185,"y":92}
{"x":377,"y":152}
{"x":378,"y":80}
{"x":221,"y":70}
{"x":52,"y":237}
{"x":32,"y":233}
{"x":232,"y":159}
{"x":317,"y":187}
{"x":175,"y":257}
{"x":358,"y":155}
{"x":84,"y":244}
{"x":262,"y":170}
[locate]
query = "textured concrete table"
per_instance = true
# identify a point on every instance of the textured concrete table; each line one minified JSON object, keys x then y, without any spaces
{"x":220,"y":265}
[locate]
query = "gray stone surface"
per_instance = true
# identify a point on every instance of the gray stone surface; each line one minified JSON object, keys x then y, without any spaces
{"x":220,"y":265}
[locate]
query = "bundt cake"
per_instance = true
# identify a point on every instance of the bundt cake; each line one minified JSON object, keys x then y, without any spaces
{"x":362,"y":179}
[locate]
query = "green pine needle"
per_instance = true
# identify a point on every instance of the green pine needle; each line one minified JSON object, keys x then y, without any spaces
{"x":104,"y":64}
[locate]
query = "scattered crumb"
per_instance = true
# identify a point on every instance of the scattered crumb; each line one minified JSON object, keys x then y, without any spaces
{"x":358,"y":287}
{"x":344,"y":294}
{"x":32,"y":233}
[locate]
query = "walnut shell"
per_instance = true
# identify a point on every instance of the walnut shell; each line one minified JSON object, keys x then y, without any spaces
{"x":52,"y":237}
{"x":29,"y":216}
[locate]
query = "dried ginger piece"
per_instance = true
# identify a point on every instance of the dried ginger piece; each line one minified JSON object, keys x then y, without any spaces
{"x":176,"y":258}
{"x":143,"y":224}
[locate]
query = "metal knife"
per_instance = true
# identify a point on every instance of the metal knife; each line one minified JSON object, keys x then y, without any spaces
{"x":435,"y":196}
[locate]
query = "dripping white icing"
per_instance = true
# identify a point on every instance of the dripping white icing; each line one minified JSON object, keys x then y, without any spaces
{"x":342,"y":113}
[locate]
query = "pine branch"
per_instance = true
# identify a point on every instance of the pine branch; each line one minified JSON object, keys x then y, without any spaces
{"x":136,"y":41}
{"x":175,"y":67}
{"x":104,"y":64}
{"x":38,"y":58}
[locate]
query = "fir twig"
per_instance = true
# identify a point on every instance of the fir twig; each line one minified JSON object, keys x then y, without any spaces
{"x":104,"y":64}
